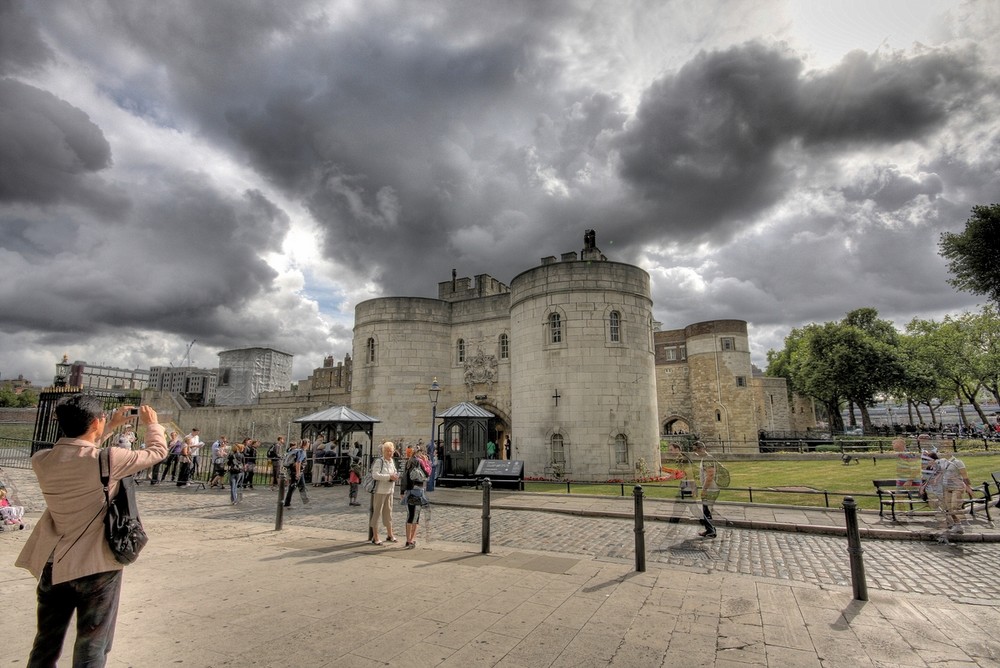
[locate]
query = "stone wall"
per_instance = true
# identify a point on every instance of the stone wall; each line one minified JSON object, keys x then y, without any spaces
{"x":771,"y":399}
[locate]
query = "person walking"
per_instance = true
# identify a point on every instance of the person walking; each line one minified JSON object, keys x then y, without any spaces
{"x":249,"y":462}
{"x":708,"y":489}
{"x":274,"y":454}
{"x":185,"y":463}
{"x":385,"y":474}
{"x":236,"y":464}
{"x":953,"y":480}
{"x":170,"y":464}
{"x":195,"y":445}
{"x":295,"y":464}
{"x":67,"y":550}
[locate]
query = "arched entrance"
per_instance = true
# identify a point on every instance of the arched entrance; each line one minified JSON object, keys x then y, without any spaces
{"x":675,"y":425}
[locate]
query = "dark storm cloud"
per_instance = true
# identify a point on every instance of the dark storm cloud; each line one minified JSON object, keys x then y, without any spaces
{"x":22,"y":49}
{"x":188,"y":261}
{"x":709,"y":146}
{"x":52,"y":151}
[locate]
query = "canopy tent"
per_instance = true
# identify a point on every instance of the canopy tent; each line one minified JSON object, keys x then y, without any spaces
{"x":463,"y":437}
{"x":337,"y":423}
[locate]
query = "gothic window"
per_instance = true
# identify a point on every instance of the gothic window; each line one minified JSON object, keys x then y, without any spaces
{"x":557,"y":450}
{"x":555,"y":328}
{"x":504,"y":346}
{"x":615,"y":326}
{"x":461,"y":351}
{"x":371,"y":351}
{"x":621,"y":450}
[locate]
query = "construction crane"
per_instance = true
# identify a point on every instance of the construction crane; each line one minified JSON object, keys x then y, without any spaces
{"x":187,"y":355}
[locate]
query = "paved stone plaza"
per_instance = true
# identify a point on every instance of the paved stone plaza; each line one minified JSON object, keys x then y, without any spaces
{"x":558,"y":589}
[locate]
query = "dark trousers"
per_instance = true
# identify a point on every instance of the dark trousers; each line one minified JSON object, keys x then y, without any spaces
{"x":706,"y":519}
{"x":275,"y":471}
{"x":169,"y":466}
{"x":293,"y":483}
{"x":184,"y":474}
{"x":95,"y":600}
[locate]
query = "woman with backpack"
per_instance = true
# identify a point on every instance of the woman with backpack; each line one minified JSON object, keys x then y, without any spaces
{"x":417,"y":470}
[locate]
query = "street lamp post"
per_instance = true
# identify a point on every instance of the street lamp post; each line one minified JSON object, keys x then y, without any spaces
{"x":432,"y":452}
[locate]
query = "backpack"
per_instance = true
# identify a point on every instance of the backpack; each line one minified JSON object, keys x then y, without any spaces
{"x":272,"y":452}
{"x":291,"y":457}
{"x":721,"y":475}
{"x":233,"y":464}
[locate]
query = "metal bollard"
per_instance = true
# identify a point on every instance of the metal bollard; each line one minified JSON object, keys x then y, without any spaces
{"x":640,"y":531}
{"x":487,"y":486}
{"x":854,"y":550}
{"x":279,"y":516}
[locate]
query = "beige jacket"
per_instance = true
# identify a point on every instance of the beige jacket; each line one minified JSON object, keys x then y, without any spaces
{"x":71,"y":529}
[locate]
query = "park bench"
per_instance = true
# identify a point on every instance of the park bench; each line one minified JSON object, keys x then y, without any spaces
{"x":889,"y":494}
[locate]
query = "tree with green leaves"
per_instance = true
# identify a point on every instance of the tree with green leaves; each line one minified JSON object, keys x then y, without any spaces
{"x":856,"y":359}
{"x":974,"y":254}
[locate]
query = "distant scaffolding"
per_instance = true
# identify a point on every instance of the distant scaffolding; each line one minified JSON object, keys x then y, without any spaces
{"x":246,"y":372}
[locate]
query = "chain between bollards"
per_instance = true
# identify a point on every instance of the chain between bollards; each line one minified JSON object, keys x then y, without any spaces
{"x":279,"y":516}
{"x":487,"y":485}
{"x":640,"y":531}
{"x":854,"y":550}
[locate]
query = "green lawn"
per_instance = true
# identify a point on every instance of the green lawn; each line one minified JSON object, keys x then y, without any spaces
{"x":17,"y":430}
{"x":832,"y":476}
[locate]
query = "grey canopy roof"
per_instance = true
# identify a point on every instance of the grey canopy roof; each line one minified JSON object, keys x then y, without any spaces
{"x":466,"y":410}
{"x":338,"y":414}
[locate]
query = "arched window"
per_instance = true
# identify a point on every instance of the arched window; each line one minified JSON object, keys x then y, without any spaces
{"x":555,"y":328}
{"x":557,"y":450}
{"x":621,"y":450}
{"x":504,"y":346}
{"x":615,"y":326}
{"x":461,"y":350}
{"x":371,"y":350}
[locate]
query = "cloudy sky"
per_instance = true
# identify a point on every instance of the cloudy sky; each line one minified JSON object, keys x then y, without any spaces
{"x":240,"y":172}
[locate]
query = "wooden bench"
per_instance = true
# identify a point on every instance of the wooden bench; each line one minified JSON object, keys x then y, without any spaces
{"x":889,"y":495}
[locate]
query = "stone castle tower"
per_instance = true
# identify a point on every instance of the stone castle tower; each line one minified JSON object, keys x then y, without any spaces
{"x":563,"y":358}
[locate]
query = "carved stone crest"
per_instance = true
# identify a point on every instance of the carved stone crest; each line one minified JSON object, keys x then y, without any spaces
{"x":481,"y":368}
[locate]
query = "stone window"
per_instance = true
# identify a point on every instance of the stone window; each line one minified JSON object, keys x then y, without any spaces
{"x":557,"y":449}
{"x":371,"y":351}
{"x":504,"y":346}
{"x":461,"y":351}
{"x":718,"y":416}
{"x":741,"y":381}
{"x":555,"y":328}
{"x":615,"y":326}
{"x":621,"y":450}
{"x":728,"y":343}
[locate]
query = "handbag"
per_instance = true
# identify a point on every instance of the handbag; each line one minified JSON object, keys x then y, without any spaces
{"x":416,"y":497}
{"x":122,"y":527}
{"x":368,"y":482}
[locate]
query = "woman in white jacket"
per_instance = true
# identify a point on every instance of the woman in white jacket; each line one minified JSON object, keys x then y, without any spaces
{"x":385,"y":474}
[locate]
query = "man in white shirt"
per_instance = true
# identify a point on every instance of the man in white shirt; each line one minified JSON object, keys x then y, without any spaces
{"x":195,"y":447}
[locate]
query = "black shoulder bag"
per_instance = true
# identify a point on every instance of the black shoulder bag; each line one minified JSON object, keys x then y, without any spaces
{"x":122,"y":527}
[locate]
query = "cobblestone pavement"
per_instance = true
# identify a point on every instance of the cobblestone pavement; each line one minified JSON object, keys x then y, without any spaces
{"x":963,"y":572}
